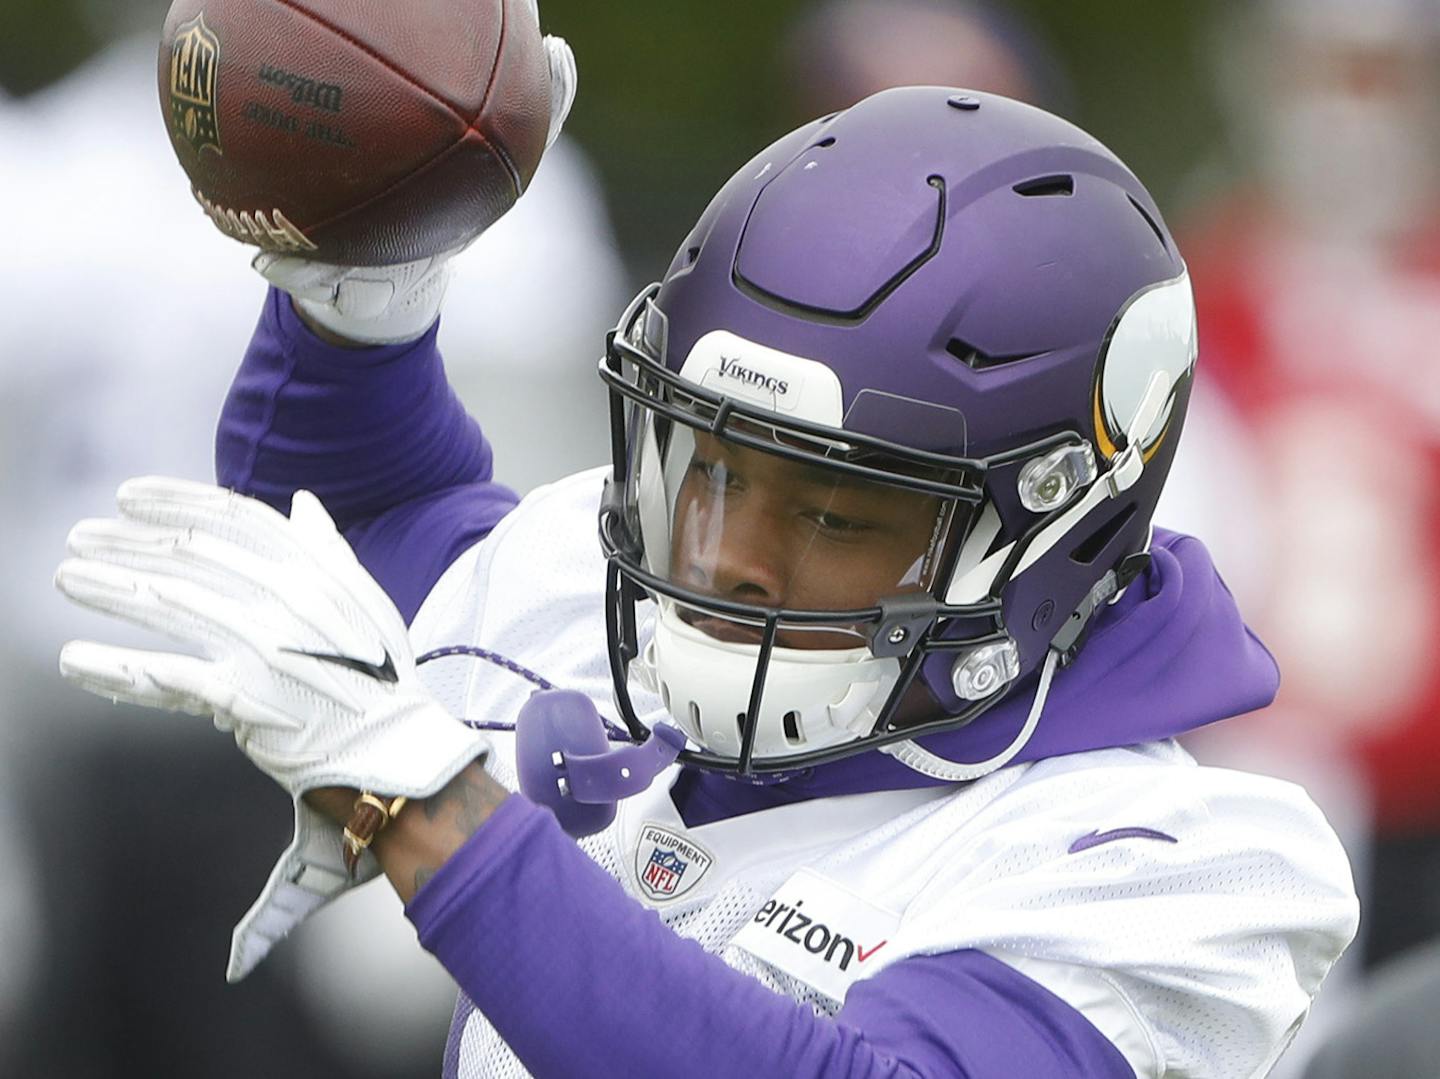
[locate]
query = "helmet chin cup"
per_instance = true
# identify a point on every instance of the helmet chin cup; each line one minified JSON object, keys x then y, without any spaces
{"x":566,"y":764}
{"x":813,"y":698}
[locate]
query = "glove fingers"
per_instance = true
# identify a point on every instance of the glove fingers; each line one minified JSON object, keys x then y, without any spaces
{"x":171,"y":682}
{"x":221,"y":565}
{"x":224,"y":608}
{"x":162,"y":680}
{"x":346,"y":582}
{"x":564,"y":81}
{"x":312,"y":589}
{"x":248,"y":524}
{"x":182,"y":553}
{"x":253,"y":534}
{"x":181,"y":504}
{"x":310,"y":519}
{"x":177,"y":608}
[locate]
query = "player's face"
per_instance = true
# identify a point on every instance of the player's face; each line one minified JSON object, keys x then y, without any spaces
{"x":759,"y":529}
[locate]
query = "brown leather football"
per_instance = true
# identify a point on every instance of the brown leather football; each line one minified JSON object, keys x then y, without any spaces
{"x":360,"y":132}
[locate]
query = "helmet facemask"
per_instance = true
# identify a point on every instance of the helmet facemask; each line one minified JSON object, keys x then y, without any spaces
{"x":776,"y":580}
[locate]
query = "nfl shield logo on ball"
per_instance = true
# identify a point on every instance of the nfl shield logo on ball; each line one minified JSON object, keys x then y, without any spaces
{"x":194,"y":69}
{"x":667,"y":865}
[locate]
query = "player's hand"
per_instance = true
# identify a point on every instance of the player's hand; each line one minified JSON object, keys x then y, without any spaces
{"x":357,"y":306}
{"x":564,"y":80}
{"x":383,"y":305}
{"x":304,"y":657}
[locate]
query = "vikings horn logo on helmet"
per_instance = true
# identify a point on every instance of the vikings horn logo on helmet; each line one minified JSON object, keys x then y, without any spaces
{"x":1156,"y":330}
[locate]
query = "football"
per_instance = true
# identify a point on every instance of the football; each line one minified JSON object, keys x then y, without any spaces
{"x":358,"y":132}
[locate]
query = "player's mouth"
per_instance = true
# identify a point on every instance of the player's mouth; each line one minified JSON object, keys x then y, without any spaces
{"x":723,"y":629}
{"x":732,"y":632}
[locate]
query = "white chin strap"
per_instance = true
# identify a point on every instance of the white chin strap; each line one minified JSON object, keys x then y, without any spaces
{"x":921,"y":760}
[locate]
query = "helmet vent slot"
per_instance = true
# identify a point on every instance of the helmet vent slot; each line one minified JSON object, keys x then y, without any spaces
{"x":978,"y":360}
{"x":1098,"y":540}
{"x":691,"y":255}
{"x":1154,"y":225}
{"x":793,"y":732}
{"x":1045,"y":186}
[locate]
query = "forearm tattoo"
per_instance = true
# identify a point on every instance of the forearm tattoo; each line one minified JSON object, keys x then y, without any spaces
{"x":467,"y":802}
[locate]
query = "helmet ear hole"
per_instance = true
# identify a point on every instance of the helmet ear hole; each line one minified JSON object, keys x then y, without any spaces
{"x":1095,"y":544}
{"x":793,"y":732}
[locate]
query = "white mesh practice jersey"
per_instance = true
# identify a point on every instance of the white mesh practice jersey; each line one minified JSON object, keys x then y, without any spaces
{"x":1189,"y":913}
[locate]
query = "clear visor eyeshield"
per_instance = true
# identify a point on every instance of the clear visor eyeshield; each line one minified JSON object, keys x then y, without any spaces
{"x":754,"y":533}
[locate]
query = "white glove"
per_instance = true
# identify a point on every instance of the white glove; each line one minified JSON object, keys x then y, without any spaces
{"x":309,"y":874}
{"x":386,"y":305}
{"x":563,"y":77}
{"x":305,"y":659}
{"x":564,"y":80}
{"x":372,"y":305}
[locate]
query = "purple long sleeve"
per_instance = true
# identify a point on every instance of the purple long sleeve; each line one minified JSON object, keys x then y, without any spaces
{"x":580,"y":979}
{"x":376,"y":433}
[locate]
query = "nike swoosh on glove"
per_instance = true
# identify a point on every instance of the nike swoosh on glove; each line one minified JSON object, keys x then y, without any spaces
{"x":304,"y":657}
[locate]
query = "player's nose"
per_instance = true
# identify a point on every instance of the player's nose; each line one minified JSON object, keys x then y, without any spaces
{"x":750,"y":563}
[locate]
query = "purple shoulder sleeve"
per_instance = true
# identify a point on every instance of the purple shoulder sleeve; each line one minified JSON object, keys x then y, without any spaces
{"x":376,"y":433}
{"x":580,"y":979}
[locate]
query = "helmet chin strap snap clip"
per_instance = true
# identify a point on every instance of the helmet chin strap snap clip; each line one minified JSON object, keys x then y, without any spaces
{"x":566,"y":763}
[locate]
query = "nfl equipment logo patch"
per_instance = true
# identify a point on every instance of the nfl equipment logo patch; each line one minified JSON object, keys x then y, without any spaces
{"x":194,"y":70}
{"x":667,"y":864}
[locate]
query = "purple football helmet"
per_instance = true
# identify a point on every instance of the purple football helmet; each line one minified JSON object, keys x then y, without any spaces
{"x":889,"y":432}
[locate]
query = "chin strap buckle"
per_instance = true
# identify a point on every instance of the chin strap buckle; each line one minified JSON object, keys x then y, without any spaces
{"x":1126,"y":469}
{"x":1072,"y":634}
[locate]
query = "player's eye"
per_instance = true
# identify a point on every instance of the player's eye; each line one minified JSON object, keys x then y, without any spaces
{"x":714,"y":474}
{"x":837,"y":525}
